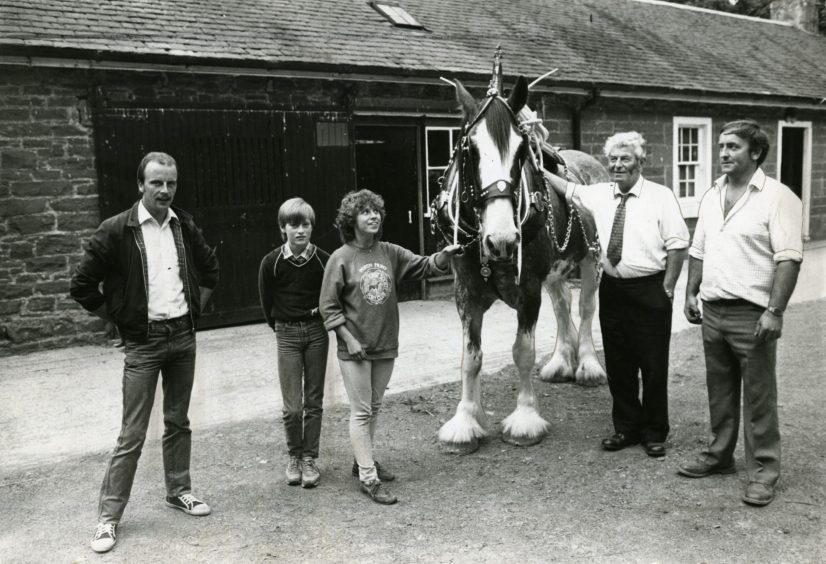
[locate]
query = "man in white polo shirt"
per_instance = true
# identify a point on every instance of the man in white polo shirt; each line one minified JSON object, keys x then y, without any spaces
{"x":744,"y":263}
{"x":644,"y":241}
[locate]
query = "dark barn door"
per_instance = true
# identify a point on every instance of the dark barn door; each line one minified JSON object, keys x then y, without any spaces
{"x":387,"y":162}
{"x":235,"y":167}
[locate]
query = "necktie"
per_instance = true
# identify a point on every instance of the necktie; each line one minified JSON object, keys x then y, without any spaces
{"x":614,"y":252}
{"x":299,"y":260}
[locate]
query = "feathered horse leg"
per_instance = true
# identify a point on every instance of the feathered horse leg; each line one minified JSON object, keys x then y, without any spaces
{"x":524,"y":426}
{"x":589,"y":372}
{"x":461,"y":434}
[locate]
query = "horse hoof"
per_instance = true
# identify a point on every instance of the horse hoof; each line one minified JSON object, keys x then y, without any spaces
{"x":448,"y":447}
{"x":556,"y":377}
{"x":522,"y":441}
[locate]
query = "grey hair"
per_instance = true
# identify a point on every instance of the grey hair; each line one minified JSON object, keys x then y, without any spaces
{"x":630,"y":139}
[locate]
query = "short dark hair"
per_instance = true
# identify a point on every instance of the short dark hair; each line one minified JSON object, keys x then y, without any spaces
{"x":154,"y":157}
{"x":352,"y":204}
{"x":294,"y":212}
{"x":750,"y":131}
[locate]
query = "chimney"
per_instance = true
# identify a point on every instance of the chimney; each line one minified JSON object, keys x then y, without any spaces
{"x":800,"y":13}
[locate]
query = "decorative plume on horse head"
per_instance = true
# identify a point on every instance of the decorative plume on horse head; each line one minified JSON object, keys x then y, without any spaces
{"x":494,"y":201}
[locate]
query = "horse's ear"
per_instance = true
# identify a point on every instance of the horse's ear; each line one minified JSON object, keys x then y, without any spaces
{"x":519,"y":95}
{"x":468,"y":103}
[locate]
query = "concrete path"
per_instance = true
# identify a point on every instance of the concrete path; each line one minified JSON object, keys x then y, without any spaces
{"x":64,"y":403}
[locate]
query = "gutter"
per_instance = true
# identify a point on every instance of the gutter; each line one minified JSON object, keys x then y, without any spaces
{"x":576,"y":117}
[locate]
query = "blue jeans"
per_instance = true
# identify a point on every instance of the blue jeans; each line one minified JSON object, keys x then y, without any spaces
{"x":302,"y":365}
{"x":737,"y":362}
{"x":170,"y":351}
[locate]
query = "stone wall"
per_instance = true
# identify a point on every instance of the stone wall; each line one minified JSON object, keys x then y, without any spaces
{"x":48,"y":205}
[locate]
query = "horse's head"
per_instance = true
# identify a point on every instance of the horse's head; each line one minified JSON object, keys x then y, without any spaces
{"x":493,"y":154}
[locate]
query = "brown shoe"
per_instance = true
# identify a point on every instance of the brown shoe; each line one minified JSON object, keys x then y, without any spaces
{"x":700,"y":469}
{"x":759,"y":494}
{"x":383,"y":473}
{"x":378,"y":493}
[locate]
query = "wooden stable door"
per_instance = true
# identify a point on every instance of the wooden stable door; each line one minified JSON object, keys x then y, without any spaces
{"x":235,"y":167}
{"x":387,"y":162}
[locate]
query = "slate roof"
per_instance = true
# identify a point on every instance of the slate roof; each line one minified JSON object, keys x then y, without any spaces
{"x":628,"y":44}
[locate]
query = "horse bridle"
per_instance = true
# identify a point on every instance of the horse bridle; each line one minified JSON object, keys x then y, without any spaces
{"x":465,"y":200}
{"x":502,"y":187}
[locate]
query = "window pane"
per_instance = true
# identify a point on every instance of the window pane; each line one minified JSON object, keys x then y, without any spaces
{"x":438,"y":147}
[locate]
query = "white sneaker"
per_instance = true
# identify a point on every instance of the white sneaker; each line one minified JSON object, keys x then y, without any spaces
{"x":189,"y":504}
{"x":104,"y":538}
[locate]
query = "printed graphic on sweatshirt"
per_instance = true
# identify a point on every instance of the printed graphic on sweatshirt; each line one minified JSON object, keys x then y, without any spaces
{"x":375,"y":283}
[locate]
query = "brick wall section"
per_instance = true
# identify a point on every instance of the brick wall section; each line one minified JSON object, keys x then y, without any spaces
{"x":48,"y":181}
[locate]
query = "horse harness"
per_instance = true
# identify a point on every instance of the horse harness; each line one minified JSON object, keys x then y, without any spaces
{"x":460,"y":201}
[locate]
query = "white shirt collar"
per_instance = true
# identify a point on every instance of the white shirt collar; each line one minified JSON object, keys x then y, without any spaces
{"x":307,"y":253}
{"x":636,"y":189}
{"x":757,"y":181}
{"x":144,"y":215}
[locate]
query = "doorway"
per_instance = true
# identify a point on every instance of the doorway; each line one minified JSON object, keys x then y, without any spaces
{"x":794,"y":162}
{"x":387,"y":162}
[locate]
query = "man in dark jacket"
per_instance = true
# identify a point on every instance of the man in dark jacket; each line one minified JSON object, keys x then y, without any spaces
{"x":157,"y":273}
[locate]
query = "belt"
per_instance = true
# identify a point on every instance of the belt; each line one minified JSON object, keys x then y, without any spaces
{"x":635,"y":280}
{"x":731,"y":302}
{"x":171,"y":322}
{"x":313,"y":319}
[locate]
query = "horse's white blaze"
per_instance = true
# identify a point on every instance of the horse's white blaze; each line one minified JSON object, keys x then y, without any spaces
{"x":494,"y":165}
{"x":498,"y":221}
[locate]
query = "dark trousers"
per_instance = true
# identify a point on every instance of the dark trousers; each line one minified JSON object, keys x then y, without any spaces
{"x":736,"y":360}
{"x":170,"y":351}
{"x":302,"y":365}
{"x":635,"y":317}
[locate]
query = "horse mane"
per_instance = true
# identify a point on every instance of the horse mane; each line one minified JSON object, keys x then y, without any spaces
{"x":499,"y":121}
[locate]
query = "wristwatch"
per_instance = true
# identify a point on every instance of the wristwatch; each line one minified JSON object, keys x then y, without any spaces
{"x":774,"y":310}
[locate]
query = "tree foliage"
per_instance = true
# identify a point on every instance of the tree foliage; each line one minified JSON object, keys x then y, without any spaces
{"x":756,"y":8}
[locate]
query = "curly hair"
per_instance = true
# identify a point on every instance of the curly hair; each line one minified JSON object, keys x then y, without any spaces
{"x":629,"y":139}
{"x":352,"y":204}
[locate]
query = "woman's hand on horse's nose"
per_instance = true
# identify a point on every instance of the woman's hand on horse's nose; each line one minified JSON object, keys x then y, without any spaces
{"x":452,"y":250}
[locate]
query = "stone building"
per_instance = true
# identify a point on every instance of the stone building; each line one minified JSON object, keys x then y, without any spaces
{"x":259,"y":102}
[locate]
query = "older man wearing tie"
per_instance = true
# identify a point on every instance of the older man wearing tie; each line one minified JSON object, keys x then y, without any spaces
{"x":647,"y":245}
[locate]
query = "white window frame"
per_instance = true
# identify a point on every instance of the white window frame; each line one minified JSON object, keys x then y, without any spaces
{"x":453,"y":133}
{"x":806,"y":188}
{"x":690,"y":206}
